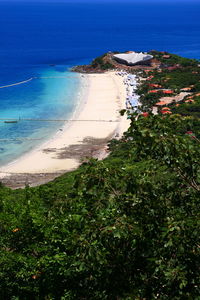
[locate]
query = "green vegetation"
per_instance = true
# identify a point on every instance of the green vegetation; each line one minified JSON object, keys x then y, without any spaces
{"x":148,"y":100}
{"x":173,"y":59}
{"x":188,"y":109}
{"x":173,"y":75}
{"x":120,"y":229}
{"x":123,"y":228}
{"x":101,"y":63}
{"x":178,"y":79}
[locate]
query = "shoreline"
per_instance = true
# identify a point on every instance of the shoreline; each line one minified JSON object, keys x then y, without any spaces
{"x":79,"y":100}
{"x":97,"y":121}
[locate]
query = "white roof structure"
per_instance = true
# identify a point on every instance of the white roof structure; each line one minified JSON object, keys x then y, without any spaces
{"x":132,"y":58}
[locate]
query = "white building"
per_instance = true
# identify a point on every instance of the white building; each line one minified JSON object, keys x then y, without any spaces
{"x":133,"y":58}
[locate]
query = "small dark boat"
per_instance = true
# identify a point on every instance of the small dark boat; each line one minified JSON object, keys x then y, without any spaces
{"x":14,"y":121}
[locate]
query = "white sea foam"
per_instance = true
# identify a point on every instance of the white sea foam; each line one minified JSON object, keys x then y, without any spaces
{"x":59,"y":98}
{"x":17,"y":83}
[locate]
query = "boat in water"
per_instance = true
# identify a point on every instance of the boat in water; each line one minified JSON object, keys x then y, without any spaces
{"x":13,"y":121}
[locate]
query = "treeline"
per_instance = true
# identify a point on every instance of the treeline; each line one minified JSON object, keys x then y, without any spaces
{"x":173,"y":59}
{"x":123,"y":228}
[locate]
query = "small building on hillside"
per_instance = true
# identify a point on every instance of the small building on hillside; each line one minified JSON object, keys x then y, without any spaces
{"x":133,"y":58}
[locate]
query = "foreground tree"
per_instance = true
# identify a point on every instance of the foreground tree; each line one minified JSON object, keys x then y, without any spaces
{"x":123,"y":228}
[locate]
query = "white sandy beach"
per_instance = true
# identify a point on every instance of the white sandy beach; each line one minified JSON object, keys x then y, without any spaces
{"x":106,"y":97}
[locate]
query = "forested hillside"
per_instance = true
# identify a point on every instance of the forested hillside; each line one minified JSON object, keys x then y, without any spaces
{"x":123,"y":228}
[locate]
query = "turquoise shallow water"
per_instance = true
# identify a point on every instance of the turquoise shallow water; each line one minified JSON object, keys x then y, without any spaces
{"x":52,"y":94}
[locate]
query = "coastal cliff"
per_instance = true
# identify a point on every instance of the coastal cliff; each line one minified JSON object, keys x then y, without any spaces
{"x":98,"y":65}
{"x":108,"y":62}
{"x":161,"y":60}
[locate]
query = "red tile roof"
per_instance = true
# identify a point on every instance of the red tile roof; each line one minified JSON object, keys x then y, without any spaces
{"x":166,"y":112}
{"x":153,"y":91}
{"x":189,"y":101}
{"x":165,"y":108}
{"x":155,"y":85}
{"x":168,"y":92}
{"x":145,"y":114}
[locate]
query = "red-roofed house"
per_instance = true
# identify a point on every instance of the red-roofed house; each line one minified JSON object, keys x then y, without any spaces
{"x":166,"y":112}
{"x":145,"y":114}
{"x":165,"y":108}
{"x":168,"y":92}
{"x":153,"y":91}
{"x":186,"y":89}
{"x":172,"y":68}
{"x":189,"y":101}
{"x":154,"y":85}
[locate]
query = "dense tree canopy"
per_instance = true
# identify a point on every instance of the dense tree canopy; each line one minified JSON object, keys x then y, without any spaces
{"x":123,"y":228}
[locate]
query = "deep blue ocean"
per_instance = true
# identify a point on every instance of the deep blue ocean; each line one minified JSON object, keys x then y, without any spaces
{"x":39,"y":42}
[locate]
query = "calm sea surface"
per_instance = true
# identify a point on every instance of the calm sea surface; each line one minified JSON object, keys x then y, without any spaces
{"x":40,"y":42}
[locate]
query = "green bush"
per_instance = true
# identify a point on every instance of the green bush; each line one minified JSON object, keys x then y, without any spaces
{"x":123,"y":228}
